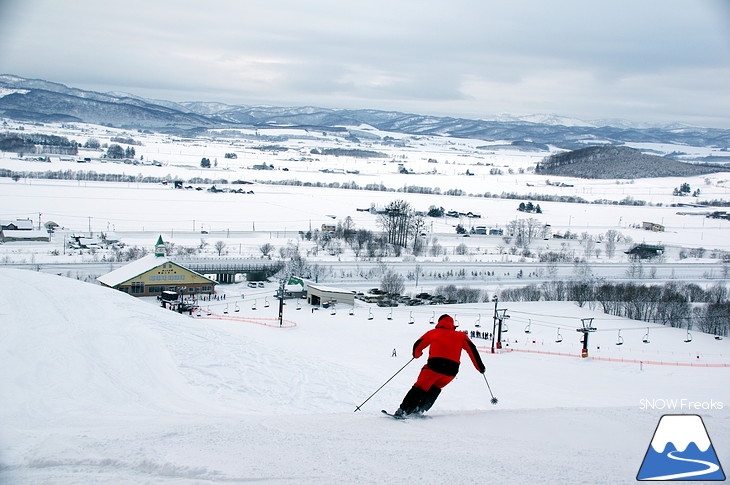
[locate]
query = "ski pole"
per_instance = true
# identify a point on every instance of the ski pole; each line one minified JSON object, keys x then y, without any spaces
{"x":357,"y":408}
{"x":494,"y":399}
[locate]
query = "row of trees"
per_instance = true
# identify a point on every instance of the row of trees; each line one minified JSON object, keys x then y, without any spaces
{"x":673,"y":304}
{"x":14,"y":142}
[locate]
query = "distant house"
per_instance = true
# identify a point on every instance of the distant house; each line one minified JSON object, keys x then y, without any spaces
{"x":645,"y":251}
{"x":652,"y":226}
{"x":155,"y":273}
{"x":10,"y":235}
{"x":16,"y":225}
{"x":51,"y":226}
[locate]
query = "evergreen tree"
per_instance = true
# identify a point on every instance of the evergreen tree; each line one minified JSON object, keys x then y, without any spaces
{"x":115,"y":152}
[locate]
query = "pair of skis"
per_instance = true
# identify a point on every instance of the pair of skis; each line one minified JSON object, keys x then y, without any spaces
{"x":404,"y":416}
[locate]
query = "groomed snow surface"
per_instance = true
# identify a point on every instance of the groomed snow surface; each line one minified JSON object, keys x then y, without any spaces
{"x":99,"y":387}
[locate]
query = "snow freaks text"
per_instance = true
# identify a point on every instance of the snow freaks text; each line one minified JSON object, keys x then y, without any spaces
{"x":680,"y":405}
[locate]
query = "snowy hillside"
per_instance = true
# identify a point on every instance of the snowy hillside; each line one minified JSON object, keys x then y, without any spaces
{"x":100,"y":387}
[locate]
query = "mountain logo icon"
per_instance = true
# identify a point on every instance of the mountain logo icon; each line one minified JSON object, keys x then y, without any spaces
{"x":681,"y":450}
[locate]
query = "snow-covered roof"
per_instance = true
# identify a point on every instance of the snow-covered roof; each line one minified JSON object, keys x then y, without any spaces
{"x":329,"y":289}
{"x":23,"y":224}
{"x":24,"y":234}
{"x":136,"y":268}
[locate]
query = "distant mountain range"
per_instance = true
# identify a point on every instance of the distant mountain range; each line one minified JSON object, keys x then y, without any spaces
{"x":44,"y":101}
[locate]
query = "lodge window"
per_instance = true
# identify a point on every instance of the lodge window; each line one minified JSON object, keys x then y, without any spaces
{"x":137,"y":287}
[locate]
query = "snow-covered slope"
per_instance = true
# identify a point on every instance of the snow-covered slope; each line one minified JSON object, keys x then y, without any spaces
{"x":100,"y":387}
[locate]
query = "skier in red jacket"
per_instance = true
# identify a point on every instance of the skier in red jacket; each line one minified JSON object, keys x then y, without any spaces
{"x":442,"y":366}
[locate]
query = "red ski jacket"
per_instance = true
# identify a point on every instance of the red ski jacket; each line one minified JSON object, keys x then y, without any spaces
{"x":446,"y":345}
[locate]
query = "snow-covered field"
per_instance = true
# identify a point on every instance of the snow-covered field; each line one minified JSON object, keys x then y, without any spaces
{"x":100,"y":387}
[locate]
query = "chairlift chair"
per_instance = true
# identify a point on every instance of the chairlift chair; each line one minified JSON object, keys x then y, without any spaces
{"x":689,"y":338}
{"x":620,"y":340}
{"x":352,"y":310}
{"x":266,"y":302}
{"x":370,"y":314}
{"x":478,"y":323}
{"x":390,"y":315}
{"x":558,"y":337}
{"x":527,"y":328}
{"x":433,"y":317}
{"x":718,"y":337}
{"x":299,"y":305}
{"x":238,"y":309}
{"x":410,"y":320}
{"x":334,"y":311}
{"x":253,"y":307}
{"x":646,"y":337}
{"x":226,"y":310}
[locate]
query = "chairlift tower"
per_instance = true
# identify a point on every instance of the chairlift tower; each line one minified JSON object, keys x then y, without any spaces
{"x":281,"y":301}
{"x":494,"y":324}
{"x":501,"y":317}
{"x":587,"y":327}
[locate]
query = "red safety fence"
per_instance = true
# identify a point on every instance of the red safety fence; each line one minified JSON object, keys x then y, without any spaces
{"x":606,"y":359}
{"x":266,"y":322}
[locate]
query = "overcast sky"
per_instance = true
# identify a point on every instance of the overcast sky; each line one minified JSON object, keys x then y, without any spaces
{"x":640,"y":60}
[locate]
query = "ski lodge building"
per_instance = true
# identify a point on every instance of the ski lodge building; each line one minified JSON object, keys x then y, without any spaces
{"x":318,"y":295}
{"x":155,"y":273}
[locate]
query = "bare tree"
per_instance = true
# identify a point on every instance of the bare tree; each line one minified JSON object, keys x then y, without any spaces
{"x":219,"y":247}
{"x":392,"y":283}
{"x":524,"y":231}
{"x":611,"y":238}
{"x":360,"y":241}
{"x":266,"y":249}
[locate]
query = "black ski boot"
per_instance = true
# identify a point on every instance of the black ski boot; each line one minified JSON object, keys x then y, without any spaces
{"x":429,"y":398}
{"x":412,"y":401}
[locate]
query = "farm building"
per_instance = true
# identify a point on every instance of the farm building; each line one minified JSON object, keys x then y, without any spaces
{"x":155,"y":273}
{"x":645,"y":251}
{"x":652,"y":226}
{"x":16,"y":225}
{"x":14,"y":235}
{"x":318,"y":295}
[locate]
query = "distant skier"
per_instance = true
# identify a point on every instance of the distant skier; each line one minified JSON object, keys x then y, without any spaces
{"x":442,"y":366}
